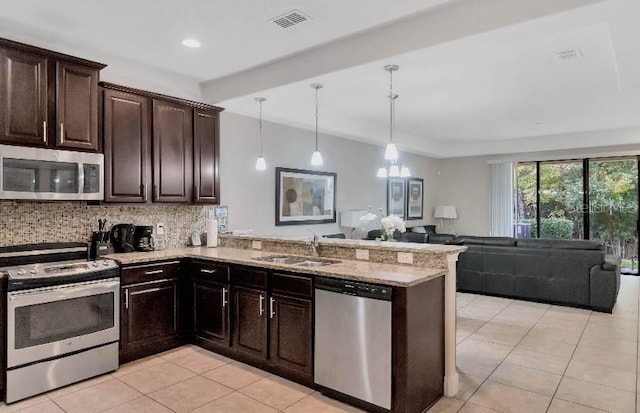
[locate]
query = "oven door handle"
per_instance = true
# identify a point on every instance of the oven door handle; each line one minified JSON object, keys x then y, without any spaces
{"x":62,"y":292}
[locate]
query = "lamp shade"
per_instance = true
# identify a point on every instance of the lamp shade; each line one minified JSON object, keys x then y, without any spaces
{"x":446,"y":212}
{"x":351,"y":218}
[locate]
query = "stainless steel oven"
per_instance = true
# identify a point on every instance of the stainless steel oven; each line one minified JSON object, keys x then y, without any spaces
{"x":63,"y":322}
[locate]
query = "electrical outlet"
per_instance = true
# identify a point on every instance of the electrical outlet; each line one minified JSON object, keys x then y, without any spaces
{"x":160,"y":228}
{"x":362,"y":254}
{"x":405,"y":258}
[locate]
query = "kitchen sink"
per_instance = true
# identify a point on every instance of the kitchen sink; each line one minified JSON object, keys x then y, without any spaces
{"x":299,"y":261}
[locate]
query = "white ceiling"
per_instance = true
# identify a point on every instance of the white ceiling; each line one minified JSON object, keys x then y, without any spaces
{"x":497,"y":88}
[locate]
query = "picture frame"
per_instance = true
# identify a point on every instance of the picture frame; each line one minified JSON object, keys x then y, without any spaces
{"x":305,"y":197}
{"x":396,"y":197}
{"x":415,"y":198}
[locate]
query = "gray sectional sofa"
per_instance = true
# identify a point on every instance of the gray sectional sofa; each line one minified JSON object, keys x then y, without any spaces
{"x":568,"y":272}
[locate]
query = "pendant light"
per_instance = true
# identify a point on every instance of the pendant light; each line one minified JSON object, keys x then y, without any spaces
{"x":392,"y":167}
{"x":261,"y":165}
{"x":316,"y":158}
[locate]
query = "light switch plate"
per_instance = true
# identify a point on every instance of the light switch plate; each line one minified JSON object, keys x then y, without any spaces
{"x":405,"y":258}
{"x":160,"y":228}
{"x":362,"y":254}
{"x":256,"y":245}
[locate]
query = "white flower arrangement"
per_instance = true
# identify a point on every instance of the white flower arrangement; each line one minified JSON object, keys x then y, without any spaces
{"x":388,"y":225}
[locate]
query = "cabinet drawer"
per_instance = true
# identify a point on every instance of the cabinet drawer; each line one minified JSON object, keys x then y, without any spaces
{"x":210,"y":271}
{"x":250,"y":277}
{"x":150,"y":272}
{"x":292,"y":284}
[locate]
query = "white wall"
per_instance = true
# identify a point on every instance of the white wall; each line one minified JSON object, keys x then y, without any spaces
{"x":250,"y":194}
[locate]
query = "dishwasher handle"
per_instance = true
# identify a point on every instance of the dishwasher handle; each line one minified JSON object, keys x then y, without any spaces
{"x":358,"y":289}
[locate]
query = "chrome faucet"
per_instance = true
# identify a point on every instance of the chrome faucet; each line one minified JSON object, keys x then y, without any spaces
{"x":313,"y":243}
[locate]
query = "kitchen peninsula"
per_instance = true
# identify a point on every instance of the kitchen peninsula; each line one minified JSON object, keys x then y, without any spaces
{"x":251,"y":299}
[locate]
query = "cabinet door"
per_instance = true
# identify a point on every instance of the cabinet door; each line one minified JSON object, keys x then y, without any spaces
{"x":77,"y":107}
{"x":206,"y":143}
{"x":210,"y":311}
{"x":127,"y":151}
{"x":149,"y":318}
{"x":23,"y":98}
{"x":172,"y":152}
{"x":290,"y":330}
{"x":250,"y":325}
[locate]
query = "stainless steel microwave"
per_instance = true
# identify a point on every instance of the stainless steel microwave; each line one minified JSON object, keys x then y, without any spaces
{"x":50,"y":174}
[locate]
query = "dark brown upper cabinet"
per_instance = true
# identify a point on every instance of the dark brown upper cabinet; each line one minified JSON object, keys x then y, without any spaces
{"x":47,"y":99}
{"x":206,"y":153}
{"x":158,"y":148}
{"x":172,"y":152}
{"x":127,"y":147}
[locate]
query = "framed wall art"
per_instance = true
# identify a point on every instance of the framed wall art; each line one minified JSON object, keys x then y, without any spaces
{"x":396,"y":197}
{"x":305,"y":197}
{"x":415,"y":198}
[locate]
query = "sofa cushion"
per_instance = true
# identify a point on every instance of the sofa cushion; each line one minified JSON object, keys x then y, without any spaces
{"x":565,"y":244}
{"x":440,"y":238}
{"x":413,"y":237}
{"x":475,"y":240}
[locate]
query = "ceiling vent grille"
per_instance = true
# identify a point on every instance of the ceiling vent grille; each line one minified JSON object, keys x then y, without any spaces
{"x":290,"y":19}
{"x":569,"y":54}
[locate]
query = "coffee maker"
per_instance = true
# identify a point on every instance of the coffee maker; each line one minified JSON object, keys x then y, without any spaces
{"x":143,"y":238}
{"x":122,"y":237}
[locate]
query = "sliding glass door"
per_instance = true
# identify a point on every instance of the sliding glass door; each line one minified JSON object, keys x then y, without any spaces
{"x":561,"y":200}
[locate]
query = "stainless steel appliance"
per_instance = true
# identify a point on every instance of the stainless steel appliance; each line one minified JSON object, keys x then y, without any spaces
{"x":143,"y":238}
{"x":50,"y":174}
{"x":353,"y":339}
{"x":63,"y":317}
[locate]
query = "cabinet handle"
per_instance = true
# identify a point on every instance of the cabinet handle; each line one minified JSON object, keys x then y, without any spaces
{"x":271,"y":312}
{"x":44,"y":131}
{"x":62,"y":132}
{"x":208,"y":271}
{"x":261,"y":304}
{"x":126,"y":298}
{"x":224,"y":297}
{"x":153,"y":272}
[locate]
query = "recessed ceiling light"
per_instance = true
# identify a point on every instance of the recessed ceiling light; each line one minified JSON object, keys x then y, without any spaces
{"x":191,"y":43}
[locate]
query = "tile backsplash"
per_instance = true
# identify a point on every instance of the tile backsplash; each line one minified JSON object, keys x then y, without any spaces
{"x":25,"y":222}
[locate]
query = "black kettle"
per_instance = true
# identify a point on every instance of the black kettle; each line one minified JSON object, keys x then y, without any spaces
{"x":123,"y":237}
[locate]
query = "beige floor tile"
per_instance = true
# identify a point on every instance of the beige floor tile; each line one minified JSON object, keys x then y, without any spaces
{"x":468,"y":385}
{"x":97,"y":398}
{"x":606,"y":331}
{"x":200,"y":362}
{"x":538,"y":361}
{"x":475,"y":408}
{"x":140,"y":405}
{"x":190,"y":394}
{"x":566,"y":335}
{"x":235,"y":403}
{"x":568,"y":313}
{"x":276,"y":392}
{"x":521,"y":316}
{"x":605,"y":358}
{"x":547,"y":345}
{"x":179,"y":352}
{"x":619,"y":320}
{"x":23,"y":404}
{"x":463,"y":299}
{"x":317,"y":403}
{"x":475,"y":366}
{"x":595,"y":395}
{"x":562,"y":323}
{"x":509,"y":399}
{"x":137,"y":365}
{"x":46,"y":407}
{"x":526,"y":379}
{"x":562,"y":406}
{"x":473,"y":347}
{"x":494,"y":333}
{"x":236,"y":375}
{"x":611,"y":344}
{"x":79,"y":386}
{"x":477,"y":313}
{"x":594,"y":373}
{"x":157,"y":377}
{"x":446,"y":405}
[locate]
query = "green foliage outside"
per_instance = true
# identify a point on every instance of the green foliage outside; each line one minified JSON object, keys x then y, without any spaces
{"x":613,"y":195}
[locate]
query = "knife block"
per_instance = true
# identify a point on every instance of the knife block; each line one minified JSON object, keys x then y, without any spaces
{"x":99,"y":245}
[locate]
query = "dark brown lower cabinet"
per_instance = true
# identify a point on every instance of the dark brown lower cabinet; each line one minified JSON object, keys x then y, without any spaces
{"x":211,"y":311}
{"x":150,"y":321}
{"x":290,"y":332}
{"x":250,"y":322}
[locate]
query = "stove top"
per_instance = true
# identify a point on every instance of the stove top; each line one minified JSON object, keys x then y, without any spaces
{"x":58,"y":269}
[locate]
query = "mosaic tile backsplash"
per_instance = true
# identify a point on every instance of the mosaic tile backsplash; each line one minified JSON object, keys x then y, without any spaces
{"x":25,"y":222}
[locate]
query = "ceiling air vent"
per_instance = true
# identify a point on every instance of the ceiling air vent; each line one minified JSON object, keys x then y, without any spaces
{"x":569,"y":54}
{"x":290,"y":19}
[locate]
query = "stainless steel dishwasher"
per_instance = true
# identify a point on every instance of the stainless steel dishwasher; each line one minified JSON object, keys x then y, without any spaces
{"x":353,"y":339}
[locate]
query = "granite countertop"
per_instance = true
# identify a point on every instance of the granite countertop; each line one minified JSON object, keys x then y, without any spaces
{"x":386,"y":274}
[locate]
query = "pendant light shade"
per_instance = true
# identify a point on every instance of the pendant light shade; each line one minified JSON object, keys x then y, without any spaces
{"x":261,"y":164}
{"x":392,"y":167}
{"x":316,"y":158}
